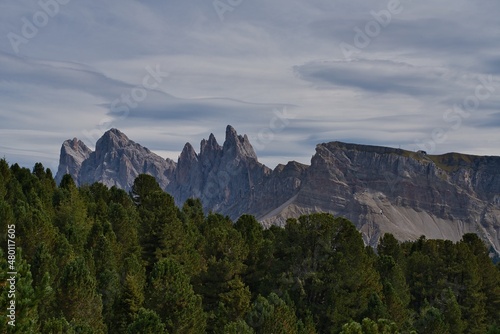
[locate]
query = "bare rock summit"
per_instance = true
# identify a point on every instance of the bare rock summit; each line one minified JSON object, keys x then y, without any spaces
{"x":116,"y":161}
{"x":73,"y":153}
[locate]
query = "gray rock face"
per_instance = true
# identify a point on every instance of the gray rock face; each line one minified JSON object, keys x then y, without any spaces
{"x":224,"y":178}
{"x":380,"y":189}
{"x":73,"y":153}
{"x":401,"y":192}
{"x":117,"y":161}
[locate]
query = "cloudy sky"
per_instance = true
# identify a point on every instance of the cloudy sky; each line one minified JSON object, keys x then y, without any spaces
{"x":288,"y":73}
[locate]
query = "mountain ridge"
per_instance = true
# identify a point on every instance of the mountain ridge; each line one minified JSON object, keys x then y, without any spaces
{"x":380,"y":189}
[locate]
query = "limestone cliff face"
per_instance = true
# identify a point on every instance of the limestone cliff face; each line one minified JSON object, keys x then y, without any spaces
{"x":223,"y":177}
{"x":117,"y":161}
{"x":73,"y":153}
{"x":380,"y":189}
{"x":405,"y":193}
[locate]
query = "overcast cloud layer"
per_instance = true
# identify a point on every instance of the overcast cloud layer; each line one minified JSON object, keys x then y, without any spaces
{"x":290,"y":74}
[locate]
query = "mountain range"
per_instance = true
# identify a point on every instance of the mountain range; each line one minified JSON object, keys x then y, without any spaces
{"x":380,"y":189}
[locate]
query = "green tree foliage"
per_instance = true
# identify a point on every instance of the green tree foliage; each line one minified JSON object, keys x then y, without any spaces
{"x":131,"y":299}
{"x":18,"y":288}
{"x":171,"y":296}
{"x":100,"y":245}
{"x":490,"y":279}
{"x":368,"y":326}
{"x":225,"y":296}
{"x":395,"y":290}
{"x":71,"y":214}
{"x":431,"y":321}
{"x":26,"y":298}
{"x":238,"y":327}
{"x":99,"y":260}
{"x":57,"y":325}
{"x":330,"y":273}
{"x":144,"y":185}
{"x":161,"y":230}
{"x":77,"y":294}
{"x":146,"y":322}
{"x":253,"y":235}
{"x":273,"y":315}
{"x":452,"y":312}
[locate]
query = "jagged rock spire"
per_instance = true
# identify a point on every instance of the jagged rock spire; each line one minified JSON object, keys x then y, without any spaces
{"x":73,"y":153}
{"x":239,"y":144}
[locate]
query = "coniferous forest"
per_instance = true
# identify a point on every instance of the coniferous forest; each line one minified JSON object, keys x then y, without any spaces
{"x":99,"y":260}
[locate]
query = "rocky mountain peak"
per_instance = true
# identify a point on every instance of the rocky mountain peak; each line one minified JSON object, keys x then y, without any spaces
{"x":224,"y":178}
{"x":237,"y":145}
{"x":188,"y":154}
{"x":73,"y":153}
{"x":208,"y":147}
{"x":117,"y":161}
{"x":112,"y":139}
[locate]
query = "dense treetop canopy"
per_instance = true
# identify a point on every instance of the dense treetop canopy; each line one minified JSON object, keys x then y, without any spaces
{"x":99,"y":260}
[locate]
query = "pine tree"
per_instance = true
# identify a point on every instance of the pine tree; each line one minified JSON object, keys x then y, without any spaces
{"x":452,"y":312}
{"x":469,"y":295}
{"x":252,"y":232}
{"x":225,"y":296}
{"x":147,"y":322}
{"x":272,"y":315}
{"x":238,"y":327}
{"x":161,"y":231}
{"x":431,"y":321}
{"x":57,"y":325}
{"x":234,"y":302}
{"x":143,"y":186}
{"x":330,"y":271}
{"x":133,"y":283}
{"x":71,"y":214}
{"x":171,"y":296}
{"x":100,"y":244}
{"x":490,"y":278}
{"x":125,"y":227}
{"x":77,"y":297}
{"x":23,"y":295}
{"x":395,"y":289}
